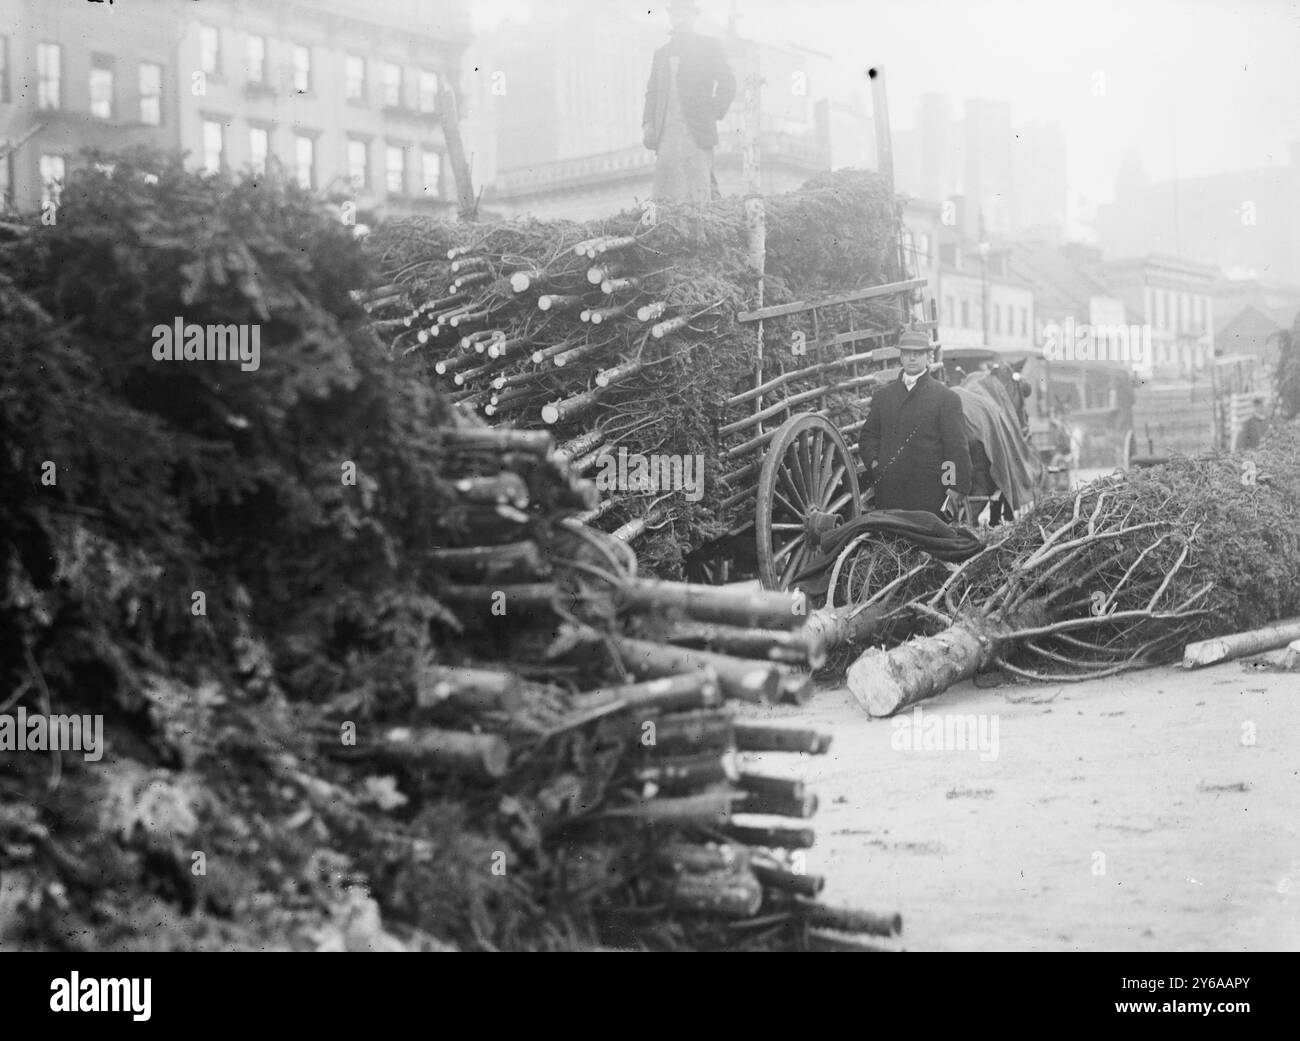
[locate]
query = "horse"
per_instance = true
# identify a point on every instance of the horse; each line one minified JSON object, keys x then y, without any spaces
{"x":997,"y":427}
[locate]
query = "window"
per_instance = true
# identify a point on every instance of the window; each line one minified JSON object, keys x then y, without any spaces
{"x":4,"y":81}
{"x":209,"y":50}
{"x":354,"y":77}
{"x":101,"y":86}
{"x":431,"y":170}
{"x":302,"y":69}
{"x":392,"y":85}
{"x":257,"y":59}
{"x":997,"y":318}
{"x":49,"y":75}
{"x":358,"y":164}
{"x":259,"y":147}
{"x":52,"y":173}
{"x":965,"y":314}
{"x":214,"y":146}
{"x":150,"y":94}
{"x":304,"y":159}
{"x":947,"y":310}
{"x":395,"y":169}
{"x":428,"y":92}
{"x":1024,"y":321}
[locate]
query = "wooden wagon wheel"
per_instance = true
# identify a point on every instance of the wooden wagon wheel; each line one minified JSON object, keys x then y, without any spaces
{"x":808,"y":485}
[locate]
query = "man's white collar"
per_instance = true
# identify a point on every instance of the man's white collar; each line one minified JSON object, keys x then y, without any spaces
{"x":910,"y":381}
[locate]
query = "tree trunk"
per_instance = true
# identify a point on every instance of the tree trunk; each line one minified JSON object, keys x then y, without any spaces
{"x":752,"y":737}
{"x":730,"y":894}
{"x":481,"y":756}
{"x":737,"y":677}
{"x":1239,"y":645}
{"x":844,"y":625}
{"x":750,"y":608}
{"x":883,"y":682}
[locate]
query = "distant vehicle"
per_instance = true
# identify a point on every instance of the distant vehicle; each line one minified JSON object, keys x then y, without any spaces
{"x":1050,"y":440}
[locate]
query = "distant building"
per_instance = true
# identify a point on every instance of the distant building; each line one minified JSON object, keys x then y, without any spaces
{"x":1039,"y":182}
{"x":1014,"y":176}
{"x":1247,"y":220}
{"x":341,"y":94}
{"x":1175,"y":299}
{"x":76,"y":76}
{"x":1065,"y":289}
{"x":1251,"y":314}
{"x":982,"y":302}
{"x":847,"y":130}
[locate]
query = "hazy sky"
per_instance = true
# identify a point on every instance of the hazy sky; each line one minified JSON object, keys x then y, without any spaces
{"x":1197,"y":86}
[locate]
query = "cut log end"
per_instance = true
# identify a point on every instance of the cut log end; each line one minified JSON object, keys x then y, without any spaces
{"x":873,"y":686}
{"x":551,"y":413}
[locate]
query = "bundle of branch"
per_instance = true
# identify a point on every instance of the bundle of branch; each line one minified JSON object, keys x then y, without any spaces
{"x":1117,"y":576}
{"x":402,"y":620}
{"x":660,"y":357}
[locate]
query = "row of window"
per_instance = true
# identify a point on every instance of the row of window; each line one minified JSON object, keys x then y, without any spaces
{"x":1180,"y":312}
{"x":356,"y":76}
{"x":103,"y":92}
{"x":397,"y":160}
{"x":997,"y":312}
{"x":49,"y":78}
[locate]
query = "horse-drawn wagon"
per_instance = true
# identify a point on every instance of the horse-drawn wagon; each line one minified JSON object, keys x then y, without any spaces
{"x":799,"y":459}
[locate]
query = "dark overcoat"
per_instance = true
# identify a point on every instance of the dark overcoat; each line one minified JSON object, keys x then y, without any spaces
{"x":907,"y":439}
{"x":706,"y":87}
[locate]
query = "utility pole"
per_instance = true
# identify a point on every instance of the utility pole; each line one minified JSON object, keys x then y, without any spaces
{"x":885,"y":167}
{"x":450,"y":117}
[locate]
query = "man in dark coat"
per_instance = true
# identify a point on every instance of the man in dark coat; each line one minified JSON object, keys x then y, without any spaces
{"x":690,"y":89}
{"x":914,"y":440}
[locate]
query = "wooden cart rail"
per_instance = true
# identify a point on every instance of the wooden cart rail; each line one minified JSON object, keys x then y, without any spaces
{"x":806,"y":481}
{"x":851,"y":297}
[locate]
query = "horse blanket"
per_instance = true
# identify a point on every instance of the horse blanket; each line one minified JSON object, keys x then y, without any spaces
{"x":990,"y":410}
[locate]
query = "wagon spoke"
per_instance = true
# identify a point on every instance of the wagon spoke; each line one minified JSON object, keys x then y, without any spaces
{"x":841,"y":502}
{"x":793,"y":564}
{"x":816,"y":452}
{"x":798,"y":472}
{"x":787,"y":527}
{"x":787,"y":548}
{"x":831,"y":482}
{"x":795,"y":511}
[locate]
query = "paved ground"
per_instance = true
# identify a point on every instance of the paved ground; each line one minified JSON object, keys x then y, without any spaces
{"x":1122,"y":814}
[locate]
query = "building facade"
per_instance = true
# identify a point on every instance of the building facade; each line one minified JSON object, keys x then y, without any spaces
{"x":982,"y":302}
{"x":342,"y":96}
{"x":1010,"y":176}
{"x":1246,"y":222}
{"x":1174,"y":299}
{"x":75,"y":76}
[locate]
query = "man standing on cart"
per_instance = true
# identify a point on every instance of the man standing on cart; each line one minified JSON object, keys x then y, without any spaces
{"x":690,"y":89}
{"x":914,"y":441}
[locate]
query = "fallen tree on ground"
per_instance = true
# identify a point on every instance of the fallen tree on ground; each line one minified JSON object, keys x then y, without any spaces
{"x":1115,"y":577}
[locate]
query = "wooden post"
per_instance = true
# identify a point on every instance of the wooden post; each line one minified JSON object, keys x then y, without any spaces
{"x":885,"y":165}
{"x":755,"y":214}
